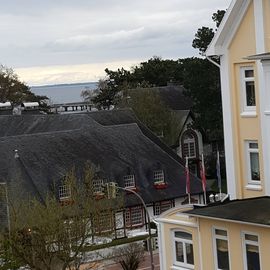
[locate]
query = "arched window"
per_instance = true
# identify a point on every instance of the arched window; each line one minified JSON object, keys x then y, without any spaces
{"x":183,"y":249}
{"x":188,"y":145}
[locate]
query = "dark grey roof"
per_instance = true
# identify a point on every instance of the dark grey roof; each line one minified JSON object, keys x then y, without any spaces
{"x":127,"y":116}
{"x":252,"y":210}
{"x":50,"y":145}
{"x":173,"y":96}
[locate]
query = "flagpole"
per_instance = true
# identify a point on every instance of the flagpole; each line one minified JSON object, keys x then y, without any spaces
{"x":218,"y":174}
{"x":203,"y":179}
{"x":187,"y":181}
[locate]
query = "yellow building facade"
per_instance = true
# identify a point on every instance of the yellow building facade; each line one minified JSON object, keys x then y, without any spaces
{"x":208,"y":238}
{"x":234,"y":234}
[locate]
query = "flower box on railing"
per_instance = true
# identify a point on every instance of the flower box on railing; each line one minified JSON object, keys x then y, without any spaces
{"x":130,"y":189}
{"x":66,"y":201}
{"x":99,"y":195}
{"x":160,"y":185}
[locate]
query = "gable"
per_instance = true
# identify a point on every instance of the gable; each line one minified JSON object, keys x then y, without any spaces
{"x":228,"y":27}
{"x":243,"y":43}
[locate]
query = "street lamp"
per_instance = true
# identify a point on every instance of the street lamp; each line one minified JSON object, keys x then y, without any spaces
{"x":114,"y":186}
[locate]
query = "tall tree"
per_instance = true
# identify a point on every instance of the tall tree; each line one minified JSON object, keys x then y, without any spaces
{"x":106,"y":94}
{"x":204,"y":35}
{"x":154,"y":72}
{"x":202,"y":83}
{"x":15,"y":91}
{"x":150,"y":109}
{"x":53,"y":235}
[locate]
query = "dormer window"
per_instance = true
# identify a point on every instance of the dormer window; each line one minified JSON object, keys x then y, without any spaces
{"x":129,"y":181}
{"x":158,"y":176}
{"x":189,"y":146}
{"x":64,"y":192}
{"x":98,"y":185}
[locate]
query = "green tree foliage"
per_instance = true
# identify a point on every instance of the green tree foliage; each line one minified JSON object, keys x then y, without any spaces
{"x":106,"y":94}
{"x":157,"y":72}
{"x":204,"y":35}
{"x":154,"y":72}
{"x":13,"y":90}
{"x":202,"y":39}
{"x":53,"y":235}
{"x":218,"y":16}
{"x":201,"y":79}
{"x":149,"y":108}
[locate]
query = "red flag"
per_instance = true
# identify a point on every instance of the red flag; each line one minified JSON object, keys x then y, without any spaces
{"x":202,"y":172}
{"x":187,"y":177}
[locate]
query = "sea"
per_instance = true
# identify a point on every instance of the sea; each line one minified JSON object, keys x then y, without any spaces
{"x":63,"y":93}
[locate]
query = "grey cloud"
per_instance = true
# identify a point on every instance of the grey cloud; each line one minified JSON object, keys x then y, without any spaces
{"x":62,"y":32}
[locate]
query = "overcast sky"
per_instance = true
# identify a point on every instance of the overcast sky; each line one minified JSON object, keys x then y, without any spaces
{"x":65,"y":41}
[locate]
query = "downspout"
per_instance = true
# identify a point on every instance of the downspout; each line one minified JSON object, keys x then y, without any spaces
{"x":212,"y":61}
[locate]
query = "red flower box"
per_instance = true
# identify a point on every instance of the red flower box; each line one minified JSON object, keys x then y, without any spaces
{"x":160,"y":185}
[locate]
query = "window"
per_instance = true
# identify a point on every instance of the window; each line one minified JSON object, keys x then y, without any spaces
{"x":221,"y":249}
{"x":248,"y":89}
{"x":158,"y":176}
{"x":189,"y":146}
{"x":134,"y":216}
{"x":253,"y":164}
{"x":129,"y":181}
{"x":103,"y":221}
{"x":97,"y":186}
{"x":183,"y":249}
{"x":161,"y":207}
{"x":64,"y":192}
{"x":251,"y":250}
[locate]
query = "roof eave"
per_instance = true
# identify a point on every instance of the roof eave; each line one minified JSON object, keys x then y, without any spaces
{"x":228,"y":220}
{"x":261,"y":57}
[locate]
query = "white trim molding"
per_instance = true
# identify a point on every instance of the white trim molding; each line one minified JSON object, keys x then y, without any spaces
{"x":251,"y":149}
{"x":215,"y":237}
{"x":228,"y":126}
{"x":162,"y":248}
{"x":246,"y":242}
{"x":248,"y":83}
{"x":263,"y":69}
{"x":259,"y":26}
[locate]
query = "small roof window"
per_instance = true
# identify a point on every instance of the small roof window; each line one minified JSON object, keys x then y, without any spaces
{"x":129,"y":181}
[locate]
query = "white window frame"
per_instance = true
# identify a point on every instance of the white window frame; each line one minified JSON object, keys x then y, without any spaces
{"x":176,"y":263}
{"x":221,"y":237}
{"x":64,"y":192}
{"x":158,"y":207}
{"x":250,"y":242}
{"x":129,"y":181}
{"x":247,"y":110}
{"x":249,"y":150}
{"x":158,"y":176}
{"x":132,"y":214}
{"x":188,"y":141}
{"x":98,"y":186}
